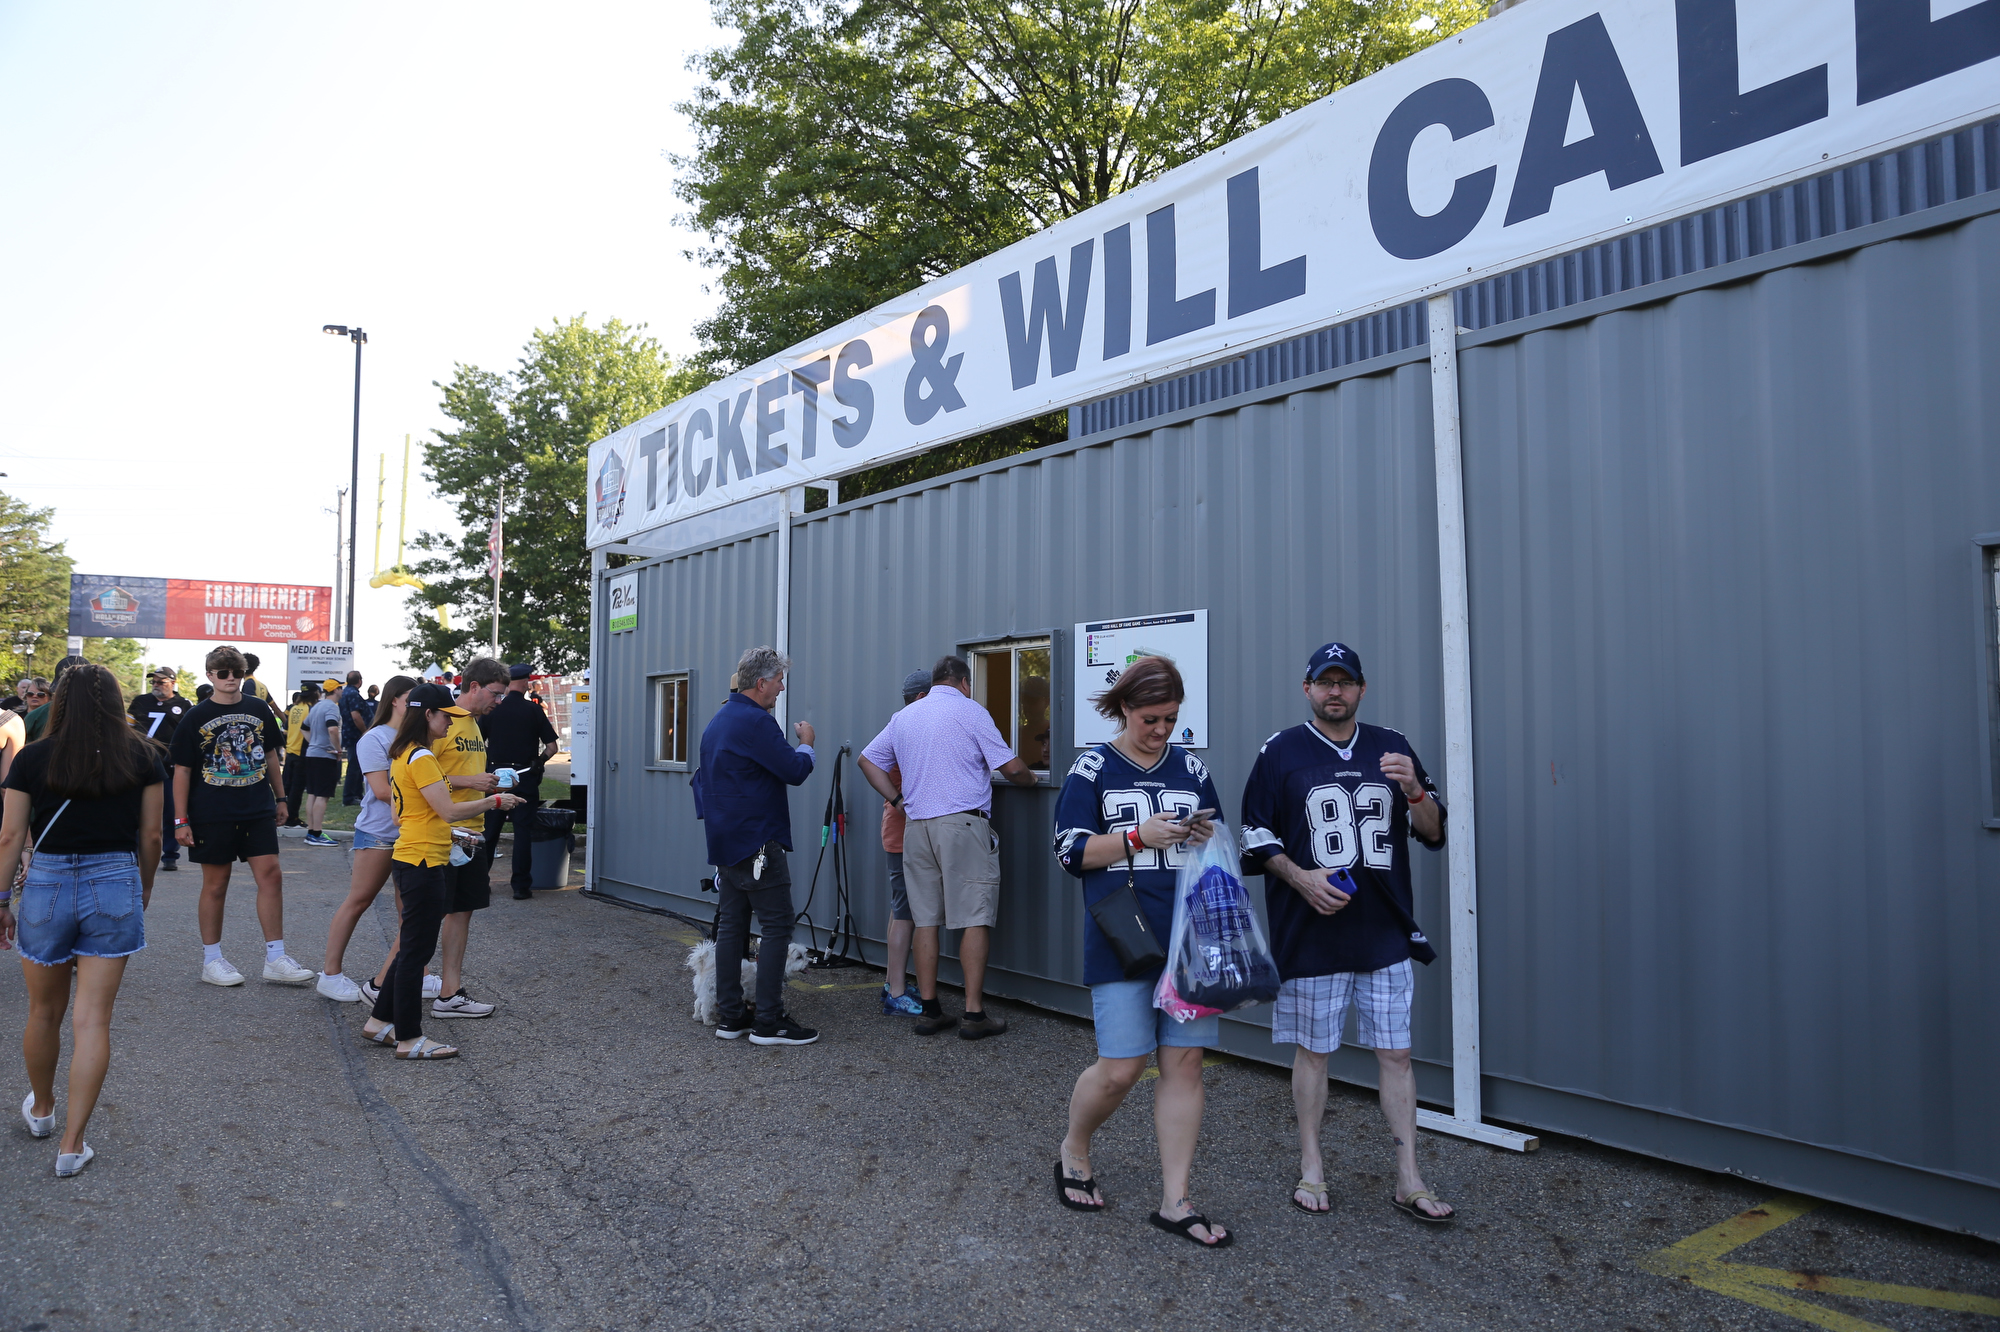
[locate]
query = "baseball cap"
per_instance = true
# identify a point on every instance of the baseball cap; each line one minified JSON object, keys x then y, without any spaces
{"x":1332,"y":655}
{"x":915,"y":683}
{"x":435,"y":697}
{"x":520,"y":670}
{"x":331,"y":684}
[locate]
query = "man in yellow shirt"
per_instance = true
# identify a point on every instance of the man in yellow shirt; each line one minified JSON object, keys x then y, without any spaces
{"x":468,"y":888}
{"x":295,"y":751}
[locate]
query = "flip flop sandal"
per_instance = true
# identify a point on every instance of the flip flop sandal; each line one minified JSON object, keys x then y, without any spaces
{"x":1409,"y":1205}
{"x":426,"y":1048}
{"x":386,"y":1036}
{"x":1316,"y":1190}
{"x":1064,"y":1184}
{"x":1185,"y":1229}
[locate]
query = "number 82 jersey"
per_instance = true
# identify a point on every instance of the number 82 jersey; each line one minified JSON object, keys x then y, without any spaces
{"x":1325,"y":807}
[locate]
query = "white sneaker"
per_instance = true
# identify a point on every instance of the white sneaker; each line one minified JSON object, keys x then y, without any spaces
{"x":460,"y":1005}
{"x":219,"y":972}
{"x":338,"y":988}
{"x":38,"y":1125}
{"x":284,"y":971}
{"x":433,"y":986}
{"x":72,"y":1163}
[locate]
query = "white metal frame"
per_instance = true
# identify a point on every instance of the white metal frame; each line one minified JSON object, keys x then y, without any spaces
{"x":1462,"y":845}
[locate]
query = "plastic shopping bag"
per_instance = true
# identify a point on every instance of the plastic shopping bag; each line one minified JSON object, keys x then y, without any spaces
{"x":1218,"y":959}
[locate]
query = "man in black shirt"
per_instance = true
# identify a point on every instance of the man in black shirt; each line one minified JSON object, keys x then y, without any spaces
{"x":158,"y":713}
{"x":229,"y":782}
{"x":518,"y":736}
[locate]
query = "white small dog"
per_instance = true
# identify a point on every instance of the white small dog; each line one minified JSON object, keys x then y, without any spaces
{"x":701,"y":961}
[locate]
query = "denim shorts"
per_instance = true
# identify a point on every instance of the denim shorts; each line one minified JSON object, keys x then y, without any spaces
{"x":80,"y":906}
{"x":1129,"y":1027}
{"x":368,"y":841}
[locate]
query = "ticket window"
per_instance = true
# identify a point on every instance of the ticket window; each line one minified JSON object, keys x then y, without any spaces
{"x":1012,"y":681}
{"x":670,"y":706}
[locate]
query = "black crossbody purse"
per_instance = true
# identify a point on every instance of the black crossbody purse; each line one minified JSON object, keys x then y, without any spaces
{"x":1123,"y":921}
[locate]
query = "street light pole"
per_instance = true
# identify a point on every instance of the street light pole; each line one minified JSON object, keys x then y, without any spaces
{"x":360,"y":339}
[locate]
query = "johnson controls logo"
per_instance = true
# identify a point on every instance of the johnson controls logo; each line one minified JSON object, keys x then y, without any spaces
{"x":114,"y":608}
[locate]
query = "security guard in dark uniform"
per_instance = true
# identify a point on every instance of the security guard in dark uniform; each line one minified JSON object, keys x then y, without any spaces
{"x":520,"y":736}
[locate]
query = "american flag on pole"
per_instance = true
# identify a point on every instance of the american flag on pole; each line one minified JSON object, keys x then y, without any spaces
{"x":493,"y":548}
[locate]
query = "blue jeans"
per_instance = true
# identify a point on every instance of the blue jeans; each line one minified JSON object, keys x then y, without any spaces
{"x":81,"y":906}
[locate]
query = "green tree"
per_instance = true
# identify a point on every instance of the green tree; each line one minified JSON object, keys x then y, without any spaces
{"x":847,"y":153}
{"x":34,"y":604}
{"x":530,"y":430}
{"x":34,"y":590}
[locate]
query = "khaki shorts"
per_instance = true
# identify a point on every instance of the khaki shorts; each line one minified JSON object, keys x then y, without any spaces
{"x":951,"y":871}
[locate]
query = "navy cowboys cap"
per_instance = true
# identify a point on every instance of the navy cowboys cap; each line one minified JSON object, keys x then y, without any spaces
{"x":1332,"y":655}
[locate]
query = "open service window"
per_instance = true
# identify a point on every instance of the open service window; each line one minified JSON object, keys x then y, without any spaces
{"x":1012,"y":678}
{"x":670,"y":721}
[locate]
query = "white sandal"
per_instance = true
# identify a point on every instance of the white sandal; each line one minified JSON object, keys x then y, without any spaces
{"x":426,"y":1048}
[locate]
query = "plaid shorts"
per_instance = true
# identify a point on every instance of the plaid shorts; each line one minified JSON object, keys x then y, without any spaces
{"x":1312,"y":1009}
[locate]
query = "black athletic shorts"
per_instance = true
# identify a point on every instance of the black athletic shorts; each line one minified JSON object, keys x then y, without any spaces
{"x":469,"y":887}
{"x":322,"y":776}
{"x":238,"y":839}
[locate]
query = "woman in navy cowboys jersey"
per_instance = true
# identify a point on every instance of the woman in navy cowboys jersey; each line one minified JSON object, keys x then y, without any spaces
{"x":1141,"y":798}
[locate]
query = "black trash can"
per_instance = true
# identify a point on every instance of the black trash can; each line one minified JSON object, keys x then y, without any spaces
{"x":550,"y":844}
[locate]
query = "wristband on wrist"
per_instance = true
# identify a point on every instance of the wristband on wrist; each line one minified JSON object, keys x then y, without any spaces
{"x":1418,"y":798}
{"x":180,"y":823}
{"x":1133,"y":841}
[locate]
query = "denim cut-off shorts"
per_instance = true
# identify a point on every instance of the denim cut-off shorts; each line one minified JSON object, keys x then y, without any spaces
{"x":80,"y":906}
{"x":1129,"y":1027}
{"x":368,"y":841}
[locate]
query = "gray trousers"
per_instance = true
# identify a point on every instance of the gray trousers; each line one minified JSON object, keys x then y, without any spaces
{"x":770,"y":896}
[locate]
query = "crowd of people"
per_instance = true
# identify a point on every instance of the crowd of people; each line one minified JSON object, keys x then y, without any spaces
{"x":1329,"y":802}
{"x":102,"y":794}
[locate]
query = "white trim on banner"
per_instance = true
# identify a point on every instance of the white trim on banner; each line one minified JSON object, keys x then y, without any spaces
{"x":1547,"y":127}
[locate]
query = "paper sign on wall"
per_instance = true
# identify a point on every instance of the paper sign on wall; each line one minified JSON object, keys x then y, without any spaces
{"x":621,"y":600}
{"x":1103,"y":650}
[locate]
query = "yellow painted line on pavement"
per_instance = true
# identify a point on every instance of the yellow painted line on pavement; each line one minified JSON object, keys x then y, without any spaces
{"x":1698,"y":1260}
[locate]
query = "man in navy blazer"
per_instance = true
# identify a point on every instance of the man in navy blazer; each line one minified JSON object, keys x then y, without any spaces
{"x":740,"y":797}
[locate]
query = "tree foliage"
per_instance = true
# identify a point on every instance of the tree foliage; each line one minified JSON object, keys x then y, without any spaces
{"x":34,"y":589}
{"x":531,"y":430}
{"x":849,"y":152}
{"x":34,"y":604}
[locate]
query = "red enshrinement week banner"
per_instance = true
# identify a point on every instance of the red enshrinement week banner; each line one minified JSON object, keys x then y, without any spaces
{"x":261,"y":612}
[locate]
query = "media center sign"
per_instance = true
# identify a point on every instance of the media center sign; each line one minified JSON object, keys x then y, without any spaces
{"x":1550,"y":126}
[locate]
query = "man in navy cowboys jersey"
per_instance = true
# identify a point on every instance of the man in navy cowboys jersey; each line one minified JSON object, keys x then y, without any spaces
{"x":1326,"y":795}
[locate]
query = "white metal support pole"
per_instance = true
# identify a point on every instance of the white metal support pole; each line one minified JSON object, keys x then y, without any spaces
{"x":1461,"y":843}
{"x":593,"y":779}
{"x":783,"y":641}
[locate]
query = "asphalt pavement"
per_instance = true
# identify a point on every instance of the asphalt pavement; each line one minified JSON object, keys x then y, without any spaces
{"x":597,"y":1160}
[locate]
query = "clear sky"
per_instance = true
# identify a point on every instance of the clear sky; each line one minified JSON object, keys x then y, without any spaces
{"x":194,"y":189}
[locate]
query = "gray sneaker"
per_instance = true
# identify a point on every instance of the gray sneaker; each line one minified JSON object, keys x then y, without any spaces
{"x":460,"y":1005}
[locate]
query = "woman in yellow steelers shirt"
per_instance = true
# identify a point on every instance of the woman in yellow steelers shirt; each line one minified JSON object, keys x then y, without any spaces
{"x":424,"y":812}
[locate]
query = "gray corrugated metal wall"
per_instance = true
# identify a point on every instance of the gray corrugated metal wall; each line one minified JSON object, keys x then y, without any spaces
{"x":1724,"y":682}
{"x":1740,"y":908}
{"x":697,"y":614}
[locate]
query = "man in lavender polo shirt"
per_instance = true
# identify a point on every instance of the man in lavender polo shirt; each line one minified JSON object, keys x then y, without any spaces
{"x":948,"y":747}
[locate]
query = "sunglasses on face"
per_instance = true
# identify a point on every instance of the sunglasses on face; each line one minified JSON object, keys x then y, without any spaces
{"x":35,"y":693}
{"x":226,"y":674}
